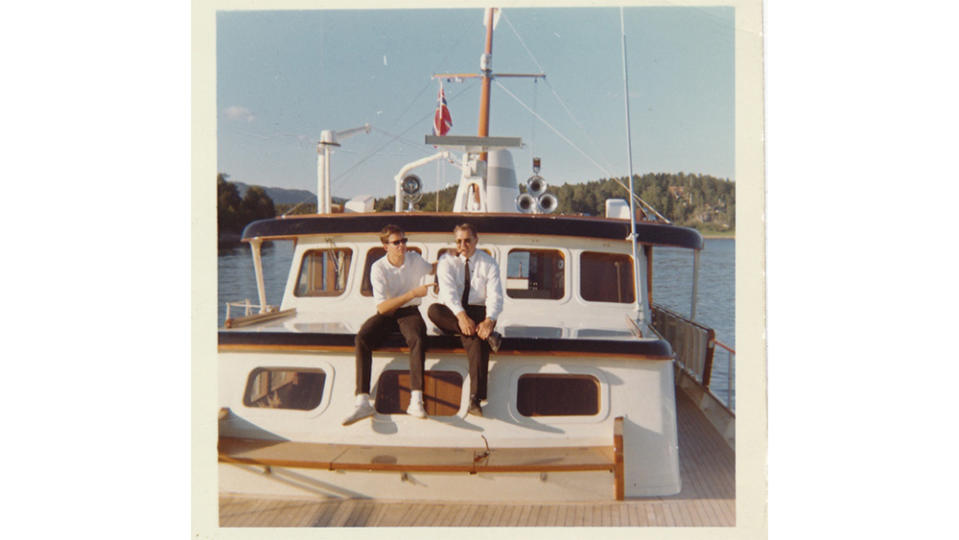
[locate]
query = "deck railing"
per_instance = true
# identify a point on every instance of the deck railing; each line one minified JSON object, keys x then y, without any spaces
{"x":730,"y":372}
{"x":694,"y":346}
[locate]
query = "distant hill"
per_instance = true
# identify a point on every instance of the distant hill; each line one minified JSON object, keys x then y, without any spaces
{"x":285,"y":196}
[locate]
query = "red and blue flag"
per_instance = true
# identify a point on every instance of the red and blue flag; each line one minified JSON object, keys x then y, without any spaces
{"x":442,"y":121}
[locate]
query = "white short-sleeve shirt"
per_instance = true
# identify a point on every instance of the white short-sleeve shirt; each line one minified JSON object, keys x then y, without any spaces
{"x":391,"y":281}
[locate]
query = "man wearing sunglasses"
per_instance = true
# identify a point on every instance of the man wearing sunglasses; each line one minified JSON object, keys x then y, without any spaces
{"x":470,"y":301}
{"x":396,"y":288}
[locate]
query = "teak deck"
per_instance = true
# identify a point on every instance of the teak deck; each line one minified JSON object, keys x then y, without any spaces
{"x":708,"y":498}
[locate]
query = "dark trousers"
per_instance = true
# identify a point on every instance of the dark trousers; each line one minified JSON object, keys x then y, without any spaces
{"x":410,"y":323}
{"x":477,"y":350}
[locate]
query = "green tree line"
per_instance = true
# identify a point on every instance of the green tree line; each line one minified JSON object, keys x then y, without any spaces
{"x":692,"y":200}
{"x":233,"y":212}
{"x":699,"y":201}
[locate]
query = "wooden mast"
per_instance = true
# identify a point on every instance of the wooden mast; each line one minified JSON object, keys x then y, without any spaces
{"x":486,"y":66}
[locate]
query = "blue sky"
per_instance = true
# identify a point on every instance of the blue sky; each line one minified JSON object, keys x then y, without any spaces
{"x":284,"y":76}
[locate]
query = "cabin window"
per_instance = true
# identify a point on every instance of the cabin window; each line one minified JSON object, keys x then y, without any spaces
{"x":373,"y":255}
{"x":606,"y":277}
{"x":324,"y":272}
{"x":441,"y":392}
{"x":535,"y":273}
{"x":283,"y":388}
{"x":542,"y":394}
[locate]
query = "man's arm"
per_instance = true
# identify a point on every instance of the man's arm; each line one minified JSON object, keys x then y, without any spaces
{"x":494,"y":301}
{"x":387,"y":307}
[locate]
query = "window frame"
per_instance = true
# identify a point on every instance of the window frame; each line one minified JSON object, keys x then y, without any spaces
{"x":567,"y":273}
{"x":298,"y":272}
{"x":581,"y":275}
{"x":554,"y":369}
{"x":325,"y":388}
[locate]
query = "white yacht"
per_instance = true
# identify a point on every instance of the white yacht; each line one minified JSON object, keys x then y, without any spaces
{"x":596,"y":393}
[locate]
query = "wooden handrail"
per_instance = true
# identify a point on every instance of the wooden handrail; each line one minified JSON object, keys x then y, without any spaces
{"x":724,"y":346}
{"x":237,"y":322}
{"x":346,"y":457}
{"x":619,"y":468}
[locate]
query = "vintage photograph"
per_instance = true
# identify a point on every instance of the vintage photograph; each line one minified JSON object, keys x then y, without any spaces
{"x":478,"y":267}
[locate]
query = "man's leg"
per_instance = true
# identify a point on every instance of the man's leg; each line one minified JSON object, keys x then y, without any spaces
{"x":478,"y":352}
{"x":414,"y":330}
{"x":370,"y":336}
{"x":443,"y":318}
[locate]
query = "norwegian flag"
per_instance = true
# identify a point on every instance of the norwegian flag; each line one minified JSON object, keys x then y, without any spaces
{"x":442,"y":121}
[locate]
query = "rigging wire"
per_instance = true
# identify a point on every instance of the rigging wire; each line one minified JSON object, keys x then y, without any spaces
{"x":559,"y":99}
{"x":584,"y":154}
{"x":396,"y":137}
{"x":572,"y":117}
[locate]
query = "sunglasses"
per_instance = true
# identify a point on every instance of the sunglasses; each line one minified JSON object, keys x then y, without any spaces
{"x":400,"y":241}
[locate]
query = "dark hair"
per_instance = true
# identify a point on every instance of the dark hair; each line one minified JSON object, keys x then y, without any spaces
{"x":466,"y":227}
{"x":389,"y":230}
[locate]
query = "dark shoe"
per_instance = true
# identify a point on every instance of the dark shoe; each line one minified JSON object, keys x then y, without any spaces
{"x":475,"y":409}
{"x":495,"y":340}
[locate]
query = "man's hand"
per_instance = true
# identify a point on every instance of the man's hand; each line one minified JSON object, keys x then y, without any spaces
{"x":421,"y":290}
{"x":485,"y":328}
{"x":467,"y":326}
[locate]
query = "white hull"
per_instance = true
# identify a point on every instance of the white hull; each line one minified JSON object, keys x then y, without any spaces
{"x":649,"y":432}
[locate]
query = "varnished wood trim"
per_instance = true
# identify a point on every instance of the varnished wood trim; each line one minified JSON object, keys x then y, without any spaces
{"x":619,"y":468}
{"x":236,"y":322}
{"x":232,"y":450}
{"x":511,"y":346}
{"x":248,"y":347}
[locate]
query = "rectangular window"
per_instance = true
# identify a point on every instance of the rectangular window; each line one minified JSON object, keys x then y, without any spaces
{"x":606,"y":277}
{"x":285,"y":388}
{"x":535,"y":273}
{"x":441,"y":392}
{"x":323,"y":272}
{"x":373,"y":255}
{"x":541,"y":394}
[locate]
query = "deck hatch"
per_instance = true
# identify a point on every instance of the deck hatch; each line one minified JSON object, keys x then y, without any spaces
{"x":442,"y":392}
{"x":285,"y":388}
{"x":547,"y":394}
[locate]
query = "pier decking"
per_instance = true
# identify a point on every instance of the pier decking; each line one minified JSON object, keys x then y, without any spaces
{"x":708,"y":498}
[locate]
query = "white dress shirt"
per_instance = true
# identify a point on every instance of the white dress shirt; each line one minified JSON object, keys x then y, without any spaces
{"x":391,"y":281}
{"x":486,"y":288}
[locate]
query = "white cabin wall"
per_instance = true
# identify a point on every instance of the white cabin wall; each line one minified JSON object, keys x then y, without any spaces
{"x":566,"y":311}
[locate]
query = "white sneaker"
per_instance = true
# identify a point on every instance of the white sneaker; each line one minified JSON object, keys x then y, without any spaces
{"x":363,"y":410}
{"x":416,"y":409}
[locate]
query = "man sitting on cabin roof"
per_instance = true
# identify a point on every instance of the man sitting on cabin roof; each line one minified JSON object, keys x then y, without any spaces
{"x":395,"y":279}
{"x":471,"y":299}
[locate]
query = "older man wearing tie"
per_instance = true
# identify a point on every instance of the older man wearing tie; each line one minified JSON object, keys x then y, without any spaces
{"x":471,"y":299}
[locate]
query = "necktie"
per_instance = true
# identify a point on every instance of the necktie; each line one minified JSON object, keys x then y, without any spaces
{"x":464,"y":301}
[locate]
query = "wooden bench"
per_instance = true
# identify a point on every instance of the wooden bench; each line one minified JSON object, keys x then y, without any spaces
{"x":345,"y":457}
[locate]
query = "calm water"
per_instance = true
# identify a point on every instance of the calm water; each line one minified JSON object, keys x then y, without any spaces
{"x":715,"y":307}
{"x":716,"y":304}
